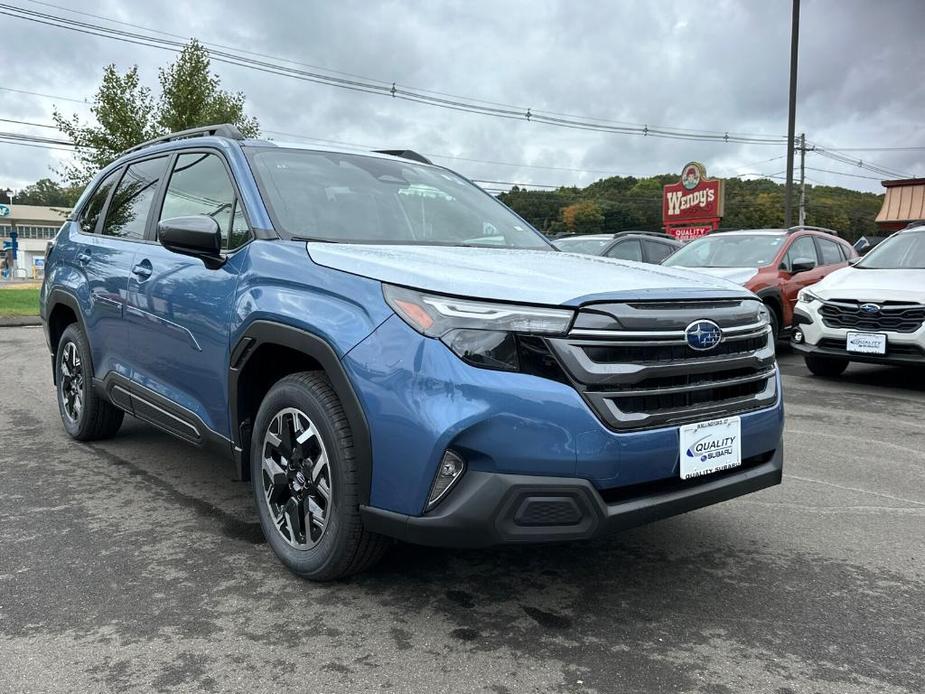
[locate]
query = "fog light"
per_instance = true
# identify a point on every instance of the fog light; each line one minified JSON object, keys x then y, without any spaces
{"x":798,"y":336}
{"x":451,"y":469}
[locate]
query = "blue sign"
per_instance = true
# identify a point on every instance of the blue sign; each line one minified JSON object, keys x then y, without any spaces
{"x":5,"y":210}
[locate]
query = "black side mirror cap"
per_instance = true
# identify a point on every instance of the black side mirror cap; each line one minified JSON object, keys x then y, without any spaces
{"x":802,"y":267}
{"x":196,"y":235}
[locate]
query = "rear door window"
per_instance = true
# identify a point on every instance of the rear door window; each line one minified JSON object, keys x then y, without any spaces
{"x":657,"y":251}
{"x":91,"y":213}
{"x":629,"y":249}
{"x":127,"y":215}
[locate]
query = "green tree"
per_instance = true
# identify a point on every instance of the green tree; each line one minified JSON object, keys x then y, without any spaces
{"x":585,"y":217}
{"x":48,"y":193}
{"x":191,"y":96}
{"x":126,"y":114}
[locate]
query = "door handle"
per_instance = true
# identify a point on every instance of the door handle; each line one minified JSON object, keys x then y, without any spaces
{"x":142,"y":270}
{"x":84,"y":257}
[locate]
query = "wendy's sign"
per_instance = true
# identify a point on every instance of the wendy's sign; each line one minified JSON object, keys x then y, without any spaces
{"x":693,"y":206}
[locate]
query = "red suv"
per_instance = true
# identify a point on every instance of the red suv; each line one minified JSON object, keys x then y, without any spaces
{"x":773,"y":263}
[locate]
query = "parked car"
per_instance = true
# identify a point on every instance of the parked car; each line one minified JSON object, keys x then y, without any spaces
{"x":366,"y":337}
{"x":873,"y":311}
{"x":774,"y":263}
{"x":865,"y":244}
{"x":642,"y":246}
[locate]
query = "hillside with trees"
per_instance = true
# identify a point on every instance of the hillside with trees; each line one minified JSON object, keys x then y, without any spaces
{"x":619,"y":203}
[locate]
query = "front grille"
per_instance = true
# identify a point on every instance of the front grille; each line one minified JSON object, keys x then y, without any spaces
{"x":662,"y":353}
{"x":893,"y":316}
{"x":632,"y":364}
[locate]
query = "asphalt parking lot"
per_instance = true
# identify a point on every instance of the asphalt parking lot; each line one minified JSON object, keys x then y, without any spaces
{"x":138,"y":564}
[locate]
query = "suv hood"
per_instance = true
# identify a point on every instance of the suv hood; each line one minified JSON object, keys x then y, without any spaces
{"x":873,"y":285}
{"x":551,"y":278}
{"x":739,"y":275}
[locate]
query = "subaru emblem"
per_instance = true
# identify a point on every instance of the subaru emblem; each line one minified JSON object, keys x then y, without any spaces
{"x":703,"y":335}
{"x":870,"y":308}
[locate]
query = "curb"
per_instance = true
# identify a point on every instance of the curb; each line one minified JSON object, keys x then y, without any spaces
{"x":19,"y":321}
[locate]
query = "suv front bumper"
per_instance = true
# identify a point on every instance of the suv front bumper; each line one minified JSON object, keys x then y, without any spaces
{"x":903,"y":349}
{"x":493,"y":508}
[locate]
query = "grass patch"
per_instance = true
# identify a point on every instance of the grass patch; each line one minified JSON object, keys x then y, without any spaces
{"x":19,"y":302}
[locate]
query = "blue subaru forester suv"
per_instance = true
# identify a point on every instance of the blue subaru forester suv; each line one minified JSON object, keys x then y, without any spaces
{"x":386,"y":351}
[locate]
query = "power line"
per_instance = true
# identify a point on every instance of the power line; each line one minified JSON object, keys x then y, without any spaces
{"x":843,"y":173}
{"x":36,"y":138}
{"x":868,"y":165}
{"x":876,"y":149}
{"x":25,"y":122}
{"x":463,"y":104}
{"x":47,"y":96}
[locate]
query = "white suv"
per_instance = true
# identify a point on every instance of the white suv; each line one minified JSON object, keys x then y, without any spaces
{"x":872,"y":311}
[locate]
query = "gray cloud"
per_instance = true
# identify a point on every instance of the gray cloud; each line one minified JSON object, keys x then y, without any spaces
{"x":716,"y":65}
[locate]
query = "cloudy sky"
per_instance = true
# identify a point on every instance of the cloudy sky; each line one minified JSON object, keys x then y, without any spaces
{"x":706,"y":66}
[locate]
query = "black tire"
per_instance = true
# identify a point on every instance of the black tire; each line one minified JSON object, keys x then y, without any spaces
{"x":94,"y":418}
{"x":827,"y":367}
{"x":345,"y":547}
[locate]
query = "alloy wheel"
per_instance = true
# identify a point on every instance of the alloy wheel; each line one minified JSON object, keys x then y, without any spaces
{"x":72,"y":382}
{"x":297,"y":481}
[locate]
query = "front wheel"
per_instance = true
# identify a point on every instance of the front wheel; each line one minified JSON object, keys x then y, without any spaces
{"x":305,"y":481}
{"x":827,"y":367}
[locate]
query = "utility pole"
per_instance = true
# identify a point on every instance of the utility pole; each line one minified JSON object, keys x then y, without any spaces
{"x":791,"y":115}
{"x":802,"y":179}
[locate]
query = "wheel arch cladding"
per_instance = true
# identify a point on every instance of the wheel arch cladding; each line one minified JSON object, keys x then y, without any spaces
{"x":772,"y":297}
{"x":62,"y":310}
{"x":268,"y":351}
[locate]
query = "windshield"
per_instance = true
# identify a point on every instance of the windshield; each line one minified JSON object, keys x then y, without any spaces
{"x":351,"y":198}
{"x":589,"y":246}
{"x":904,"y":251}
{"x":728,"y":250}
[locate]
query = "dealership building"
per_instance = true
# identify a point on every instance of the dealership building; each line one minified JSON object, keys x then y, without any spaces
{"x":35,"y":227}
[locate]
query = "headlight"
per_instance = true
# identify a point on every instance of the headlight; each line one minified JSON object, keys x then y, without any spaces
{"x":805,"y":296}
{"x":482,"y":333}
{"x":436,"y":315}
{"x":764,"y":314}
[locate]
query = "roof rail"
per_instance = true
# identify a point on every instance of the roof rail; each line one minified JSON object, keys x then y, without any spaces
{"x":659,"y":234}
{"x":220,"y":130}
{"x":794,"y":229}
{"x":405,"y":154}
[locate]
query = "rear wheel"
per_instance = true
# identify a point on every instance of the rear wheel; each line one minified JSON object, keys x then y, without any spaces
{"x":828,"y":367}
{"x":86,"y":416}
{"x":305,"y":481}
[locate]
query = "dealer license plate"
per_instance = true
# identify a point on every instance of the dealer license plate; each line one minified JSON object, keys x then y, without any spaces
{"x":866,"y":343}
{"x":708,"y":447}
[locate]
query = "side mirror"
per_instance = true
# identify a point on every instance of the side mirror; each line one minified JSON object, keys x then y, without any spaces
{"x":802,"y":266}
{"x":197,"y":235}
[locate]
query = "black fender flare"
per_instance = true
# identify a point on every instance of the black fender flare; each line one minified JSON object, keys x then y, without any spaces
{"x":268,"y":332}
{"x":60,"y":297}
{"x":773,"y":294}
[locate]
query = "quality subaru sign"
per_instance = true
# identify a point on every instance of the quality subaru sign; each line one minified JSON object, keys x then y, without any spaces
{"x":5,"y":210}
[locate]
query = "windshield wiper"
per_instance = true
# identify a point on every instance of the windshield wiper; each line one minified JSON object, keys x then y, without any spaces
{"x":317,"y":239}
